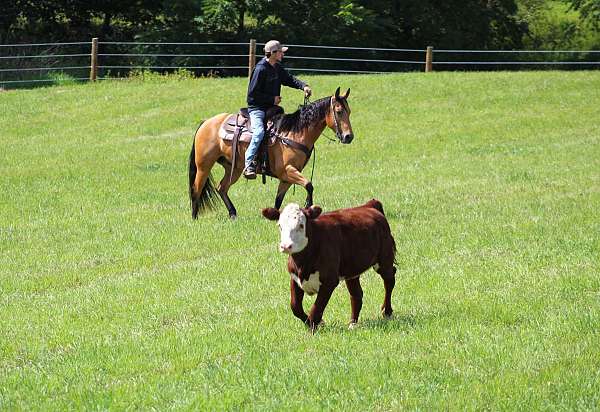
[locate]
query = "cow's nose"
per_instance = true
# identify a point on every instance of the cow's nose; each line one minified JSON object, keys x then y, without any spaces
{"x":285,"y":247}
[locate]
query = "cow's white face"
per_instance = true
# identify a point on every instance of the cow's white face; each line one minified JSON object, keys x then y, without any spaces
{"x":292,"y":224}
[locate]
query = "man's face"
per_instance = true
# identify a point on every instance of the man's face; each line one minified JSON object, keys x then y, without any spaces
{"x":278,"y":55}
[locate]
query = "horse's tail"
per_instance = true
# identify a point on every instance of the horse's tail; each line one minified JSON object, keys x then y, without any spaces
{"x":208,"y":195}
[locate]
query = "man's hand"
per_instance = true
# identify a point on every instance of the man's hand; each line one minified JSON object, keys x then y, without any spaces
{"x":307,"y":91}
{"x":277,"y":100}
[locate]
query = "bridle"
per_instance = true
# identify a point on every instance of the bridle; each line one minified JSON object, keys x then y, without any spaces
{"x":335,"y":121}
{"x":338,"y":134}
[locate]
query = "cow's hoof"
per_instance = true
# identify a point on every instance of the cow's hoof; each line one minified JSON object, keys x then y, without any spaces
{"x":314,"y":326}
{"x":386,"y":314}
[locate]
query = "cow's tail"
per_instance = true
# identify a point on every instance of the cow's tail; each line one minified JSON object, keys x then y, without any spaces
{"x":394,"y":249}
{"x":375,"y":204}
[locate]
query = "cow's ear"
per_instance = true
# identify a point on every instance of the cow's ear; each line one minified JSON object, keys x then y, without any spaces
{"x":313,"y":212}
{"x":270,"y":213}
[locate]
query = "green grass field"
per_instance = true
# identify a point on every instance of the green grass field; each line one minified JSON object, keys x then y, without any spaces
{"x":111,"y":297}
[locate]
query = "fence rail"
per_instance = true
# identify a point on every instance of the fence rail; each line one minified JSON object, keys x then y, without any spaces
{"x":97,"y":60}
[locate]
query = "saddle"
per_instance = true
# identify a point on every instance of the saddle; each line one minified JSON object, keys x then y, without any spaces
{"x":238,"y":128}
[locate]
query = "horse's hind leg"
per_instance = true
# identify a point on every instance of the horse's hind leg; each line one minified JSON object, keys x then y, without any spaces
{"x":202,"y":191}
{"x":228,"y":180}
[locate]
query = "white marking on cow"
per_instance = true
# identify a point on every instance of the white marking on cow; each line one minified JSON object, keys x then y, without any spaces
{"x":312,"y":285}
{"x":292,"y":224}
{"x":296,"y":279}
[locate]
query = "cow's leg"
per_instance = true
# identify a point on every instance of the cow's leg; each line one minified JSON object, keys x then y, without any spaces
{"x":388,"y":274}
{"x":281,"y":191}
{"x":356,"y":295}
{"x":297,"y":294}
{"x":316,"y":312}
{"x":294,"y":176}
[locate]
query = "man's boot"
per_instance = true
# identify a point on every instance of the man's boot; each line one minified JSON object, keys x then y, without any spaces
{"x":250,"y":170}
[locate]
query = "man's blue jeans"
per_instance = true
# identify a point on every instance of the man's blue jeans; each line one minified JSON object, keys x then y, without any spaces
{"x":257,"y":117}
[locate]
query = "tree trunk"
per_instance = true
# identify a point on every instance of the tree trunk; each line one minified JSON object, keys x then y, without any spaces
{"x":242,"y":8}
{"x":106,"y":25}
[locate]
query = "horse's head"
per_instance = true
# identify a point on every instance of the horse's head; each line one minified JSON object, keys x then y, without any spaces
{"x":338,"y":118}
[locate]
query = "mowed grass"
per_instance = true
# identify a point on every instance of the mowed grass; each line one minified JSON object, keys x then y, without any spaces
{"x":111,"y":297}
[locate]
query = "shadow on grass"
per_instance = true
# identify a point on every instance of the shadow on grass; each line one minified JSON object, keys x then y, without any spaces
{"x":398,"y":323}
{"x":404,"y":323}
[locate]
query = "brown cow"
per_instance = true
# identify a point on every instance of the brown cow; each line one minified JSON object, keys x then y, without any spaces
{"x":339,"y":245}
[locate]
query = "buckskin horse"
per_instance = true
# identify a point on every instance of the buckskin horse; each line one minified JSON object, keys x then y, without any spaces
{"x":295,"y":136}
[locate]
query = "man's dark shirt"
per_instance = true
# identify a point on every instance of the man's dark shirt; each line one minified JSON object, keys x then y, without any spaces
{"x":266,"y":83}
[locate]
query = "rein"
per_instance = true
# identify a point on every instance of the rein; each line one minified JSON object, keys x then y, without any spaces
{"x":335,"y":122}
{"x":306,"y":103}
{"x":305,"y":149}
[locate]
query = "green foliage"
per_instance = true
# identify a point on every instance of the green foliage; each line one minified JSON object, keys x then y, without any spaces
{"x":61,"y":78}
{"x":223,"y":16}
{"x":553,"y":25}
{"x":385,"y":23}
{"x":153,"y":76}
{"x":589,"y":9}
{"x":112,"y":298}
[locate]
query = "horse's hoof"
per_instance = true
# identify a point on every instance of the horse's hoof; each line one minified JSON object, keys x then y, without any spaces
{"x":233,"y":217}
{"x":353,"y":325}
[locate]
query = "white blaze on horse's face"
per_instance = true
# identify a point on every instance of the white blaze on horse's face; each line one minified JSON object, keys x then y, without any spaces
{"x":292,"y":224}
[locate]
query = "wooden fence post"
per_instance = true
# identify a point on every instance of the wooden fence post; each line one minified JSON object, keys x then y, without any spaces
{"x":251,"y":57}
{"x":94,"y":60}
{"x":429,"y":59}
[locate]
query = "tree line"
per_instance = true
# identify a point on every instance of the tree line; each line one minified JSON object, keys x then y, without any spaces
{"x":457,"y":24}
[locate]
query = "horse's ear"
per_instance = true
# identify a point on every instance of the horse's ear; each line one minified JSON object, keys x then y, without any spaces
{"x":270,"y":213}
{"x":337,"y":94}
{"x":347,"y":93}
{"x":313,"y":212}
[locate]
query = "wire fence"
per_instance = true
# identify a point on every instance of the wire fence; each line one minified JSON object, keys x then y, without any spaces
{"x":38,"y":63}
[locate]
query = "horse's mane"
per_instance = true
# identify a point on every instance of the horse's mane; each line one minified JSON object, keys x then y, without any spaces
{"x":303,"y":118}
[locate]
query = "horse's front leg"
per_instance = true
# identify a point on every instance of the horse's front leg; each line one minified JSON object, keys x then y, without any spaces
{"x":294,"y":176}
{"x":281,"y":191}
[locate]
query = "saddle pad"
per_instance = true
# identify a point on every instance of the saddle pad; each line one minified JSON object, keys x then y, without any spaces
{"x":228,"y":127}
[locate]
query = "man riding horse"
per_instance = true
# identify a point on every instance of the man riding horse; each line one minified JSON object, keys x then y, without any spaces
{"x":263,"y":93}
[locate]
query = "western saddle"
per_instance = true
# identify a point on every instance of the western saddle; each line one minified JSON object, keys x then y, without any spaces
{"x":238,"y":128}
